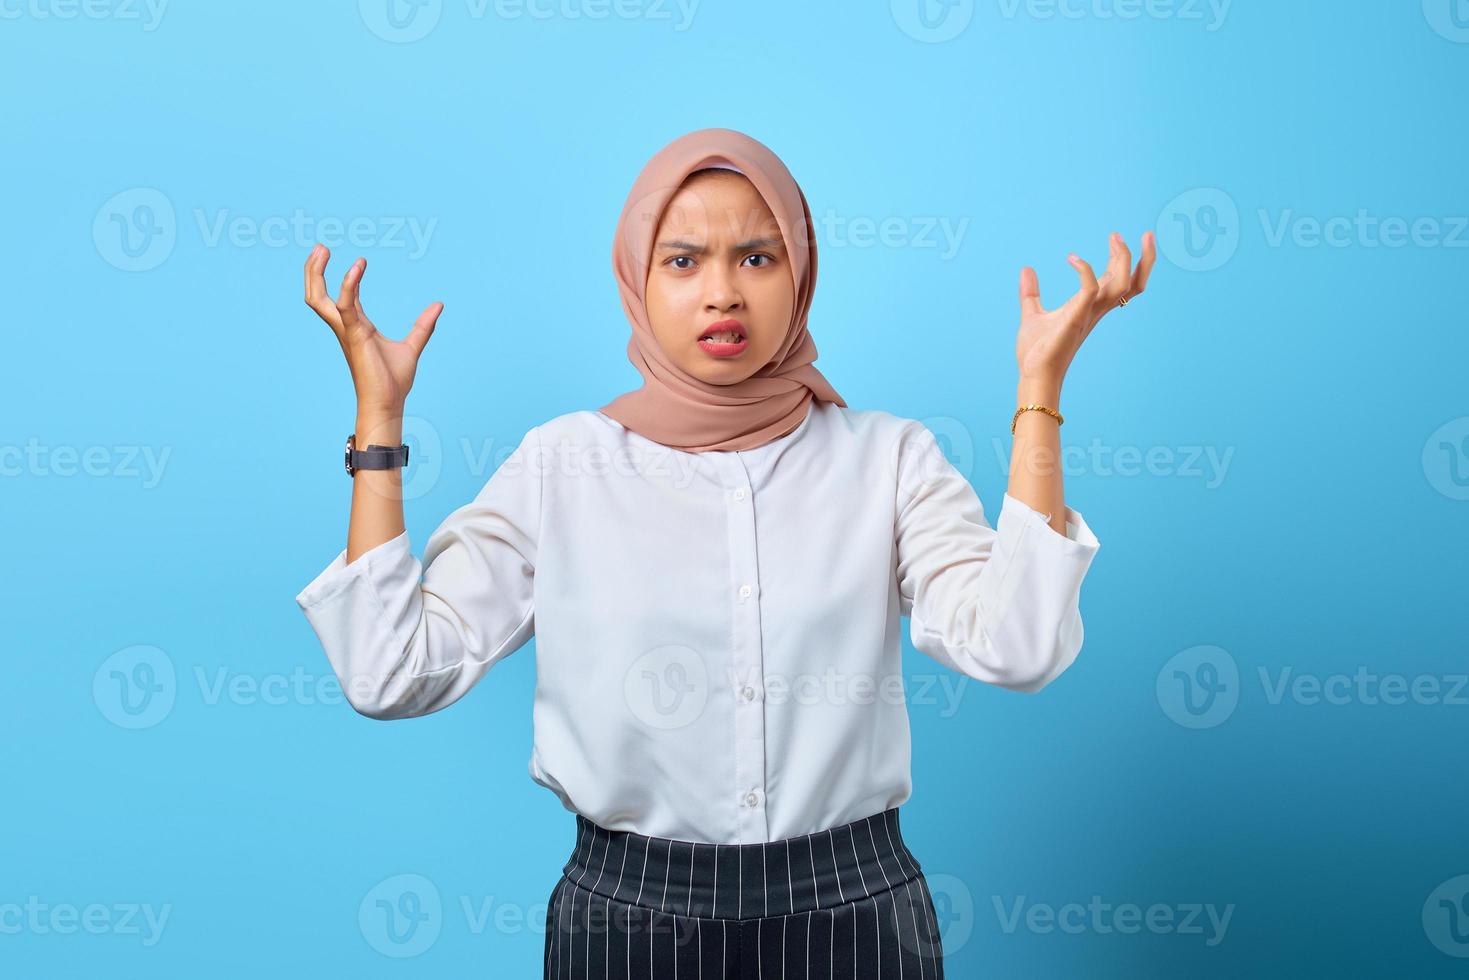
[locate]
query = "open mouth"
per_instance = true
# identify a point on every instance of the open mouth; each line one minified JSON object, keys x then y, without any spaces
{"x":725,"y":332}
{"x":724,"y":339}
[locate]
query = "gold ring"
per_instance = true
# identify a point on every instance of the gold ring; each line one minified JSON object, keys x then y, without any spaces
{"x":1122,"y":302}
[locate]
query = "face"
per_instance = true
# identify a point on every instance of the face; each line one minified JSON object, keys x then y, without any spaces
{"x":719,"y":256}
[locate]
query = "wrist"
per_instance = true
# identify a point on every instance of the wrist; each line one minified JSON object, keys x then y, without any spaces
{"x":1038,"y":391}
{"x":381,"y":427}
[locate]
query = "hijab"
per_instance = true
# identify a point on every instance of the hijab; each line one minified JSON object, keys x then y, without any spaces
{"x":676,"y":408}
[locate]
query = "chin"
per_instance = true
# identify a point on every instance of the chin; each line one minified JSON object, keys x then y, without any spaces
{"x":721,"y":374}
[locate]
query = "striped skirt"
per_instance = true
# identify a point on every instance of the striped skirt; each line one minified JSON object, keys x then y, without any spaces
{"x":846,"y":902}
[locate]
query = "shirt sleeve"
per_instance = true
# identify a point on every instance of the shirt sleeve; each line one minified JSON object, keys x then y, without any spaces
{"x":407,"y":638}
{"x":999,"y":604}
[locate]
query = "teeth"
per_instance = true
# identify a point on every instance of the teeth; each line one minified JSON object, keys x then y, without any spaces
{"x":725,"y":337}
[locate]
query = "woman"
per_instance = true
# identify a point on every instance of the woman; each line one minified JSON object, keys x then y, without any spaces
{"x":714,"y":566}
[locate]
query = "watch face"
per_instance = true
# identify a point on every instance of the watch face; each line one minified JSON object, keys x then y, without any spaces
{"x":350,"y":440}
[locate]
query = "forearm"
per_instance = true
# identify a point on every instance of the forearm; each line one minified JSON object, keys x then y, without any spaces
{"x":1035,"y":455}
{"x":377,"y":495}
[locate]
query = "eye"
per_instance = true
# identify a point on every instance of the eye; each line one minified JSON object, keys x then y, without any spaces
{"x":760,"y":255}
{"x":680,"y":258}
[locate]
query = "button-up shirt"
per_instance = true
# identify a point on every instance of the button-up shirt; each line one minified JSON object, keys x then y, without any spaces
{"x":718,"y":634}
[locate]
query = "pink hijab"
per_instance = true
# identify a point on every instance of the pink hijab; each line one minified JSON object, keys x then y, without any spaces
{"x":673,"y":407}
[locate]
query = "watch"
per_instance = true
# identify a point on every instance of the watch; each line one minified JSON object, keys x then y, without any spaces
{"x":374,"y":457}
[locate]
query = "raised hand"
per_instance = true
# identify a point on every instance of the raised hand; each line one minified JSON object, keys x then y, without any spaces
{"x":1049,"y":339}
{"x":382,"y":369}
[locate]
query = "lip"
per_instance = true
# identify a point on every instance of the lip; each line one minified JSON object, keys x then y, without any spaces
{"x":718,"y":349}
{"x":727,"y":324}
{"x":723,"y":350}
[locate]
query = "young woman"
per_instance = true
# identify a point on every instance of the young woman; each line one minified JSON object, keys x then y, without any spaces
{"x":714,"y":566}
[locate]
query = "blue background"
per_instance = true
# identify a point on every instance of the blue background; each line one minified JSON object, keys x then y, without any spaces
{"x":1326,"y":378}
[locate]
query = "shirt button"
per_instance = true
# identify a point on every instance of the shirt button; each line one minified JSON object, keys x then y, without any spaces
{"x":740,"y":494}
{"x":745,"y":591}
{"x":747,"y":693}
{"x":751,"y":799}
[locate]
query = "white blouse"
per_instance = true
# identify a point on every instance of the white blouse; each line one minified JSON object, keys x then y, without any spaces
{"x":717,"y":633}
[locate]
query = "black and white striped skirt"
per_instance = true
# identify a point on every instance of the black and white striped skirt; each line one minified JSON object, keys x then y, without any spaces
{"x":846,"y":902}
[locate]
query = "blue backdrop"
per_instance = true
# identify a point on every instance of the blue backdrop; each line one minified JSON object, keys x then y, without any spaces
{"x":1255,"y":768}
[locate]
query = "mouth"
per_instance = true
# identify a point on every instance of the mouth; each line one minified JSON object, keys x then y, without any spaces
{"x":724,"y":339}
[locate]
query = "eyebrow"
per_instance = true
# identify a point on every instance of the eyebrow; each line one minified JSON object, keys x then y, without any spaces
{"x":681,"y":246}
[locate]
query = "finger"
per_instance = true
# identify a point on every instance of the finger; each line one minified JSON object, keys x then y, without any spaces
{"x":347,"y":302}
{"x":316,"y":295}
{"x":1113,"y":284}
{"x":1030,"y":292}
{"x":1144,"y":265}
{"x":1086,"y":292}
{"x":423,"y":328}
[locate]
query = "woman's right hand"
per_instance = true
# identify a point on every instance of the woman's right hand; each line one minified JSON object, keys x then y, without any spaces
{"x":382,"y":369}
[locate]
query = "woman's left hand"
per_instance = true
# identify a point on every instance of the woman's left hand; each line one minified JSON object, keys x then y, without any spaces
{"x":1049,"y":339}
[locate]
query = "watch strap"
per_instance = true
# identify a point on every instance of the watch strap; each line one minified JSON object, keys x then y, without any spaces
{"x":374,"y":457}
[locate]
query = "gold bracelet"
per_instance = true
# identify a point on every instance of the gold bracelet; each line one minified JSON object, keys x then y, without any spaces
{"x":1040,"y":408}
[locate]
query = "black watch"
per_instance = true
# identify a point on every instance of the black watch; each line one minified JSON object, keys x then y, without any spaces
{"x":374,"y":457}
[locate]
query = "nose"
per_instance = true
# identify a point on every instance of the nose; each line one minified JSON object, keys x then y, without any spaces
{"x":721,"y":294}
